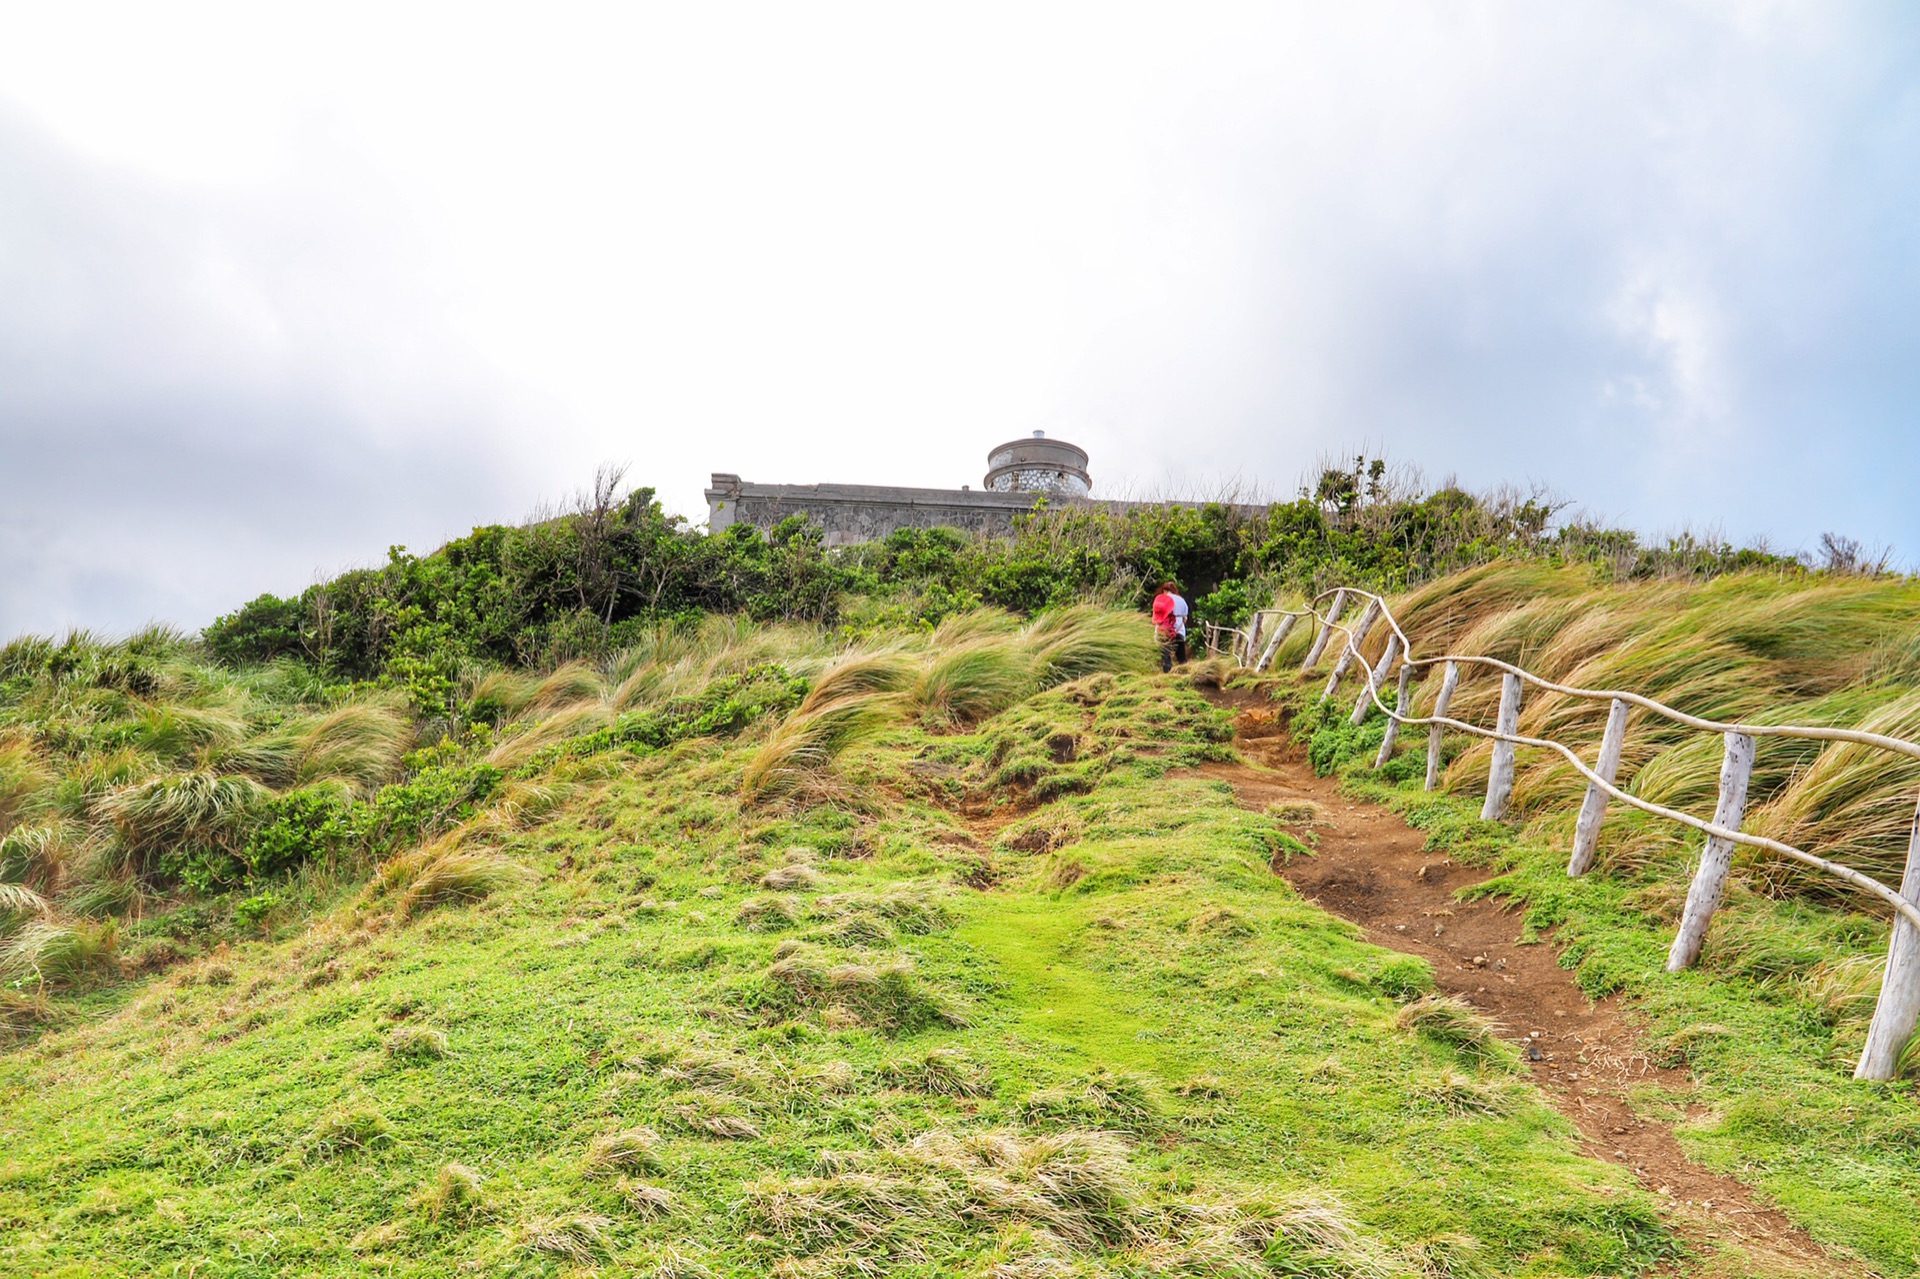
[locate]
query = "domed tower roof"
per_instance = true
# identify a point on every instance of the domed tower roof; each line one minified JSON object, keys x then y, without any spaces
{"x":1038,"y":465}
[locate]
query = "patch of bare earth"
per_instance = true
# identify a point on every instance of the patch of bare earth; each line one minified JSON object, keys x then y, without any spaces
{"x":1370,"y":867}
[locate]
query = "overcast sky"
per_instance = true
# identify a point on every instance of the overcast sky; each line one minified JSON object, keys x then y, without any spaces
{"x":282,"y":286}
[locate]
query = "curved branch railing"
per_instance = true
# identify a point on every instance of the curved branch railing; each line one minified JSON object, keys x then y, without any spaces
{"x":1898,"y":1008}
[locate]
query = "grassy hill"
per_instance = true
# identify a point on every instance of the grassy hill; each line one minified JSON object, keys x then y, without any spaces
{"x":411,"y":927}
{"x":998,"y":990}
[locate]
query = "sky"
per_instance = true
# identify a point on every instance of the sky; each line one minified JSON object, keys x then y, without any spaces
{"x":283,"y":286}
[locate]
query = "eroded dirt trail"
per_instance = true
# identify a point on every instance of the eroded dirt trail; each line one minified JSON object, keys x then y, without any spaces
{"x":1371,"y":868}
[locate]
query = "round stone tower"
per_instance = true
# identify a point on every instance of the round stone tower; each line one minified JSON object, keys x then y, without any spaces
{"x":1038,"y":465}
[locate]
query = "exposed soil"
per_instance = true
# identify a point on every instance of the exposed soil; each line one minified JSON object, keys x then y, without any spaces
{"x":1371,"y":868}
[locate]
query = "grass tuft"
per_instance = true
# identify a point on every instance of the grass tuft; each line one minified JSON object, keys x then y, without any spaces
{"x":1071,"y":643}
{"x":1104,"y":1099}
{"x":22,"y":1012}
{"x":972,"y":681}
{"x":787,"y":878}
{"x":768,"y":914}
{"x":187,"y":810}
{"x":643,"y":1200}
{"x":1451,"y":1021}
{"x":798,"y":752}
{"x":940,"y":1072}
{"x":1207,"y":1087}
{"x":416,"y":1043}
{"x":448,"y":876}
{"x":458,"y":1191}
{"x":1462,"y":1094}
{"x":579,"y":1237}
{"x":885,"y":994}
{"x":17,"y":901}
{"x":350,"y":1130}
{"x":630,"y":1150}
{"x":1221,"y":921}
{"x":58,"y":955}
{"x":714,"y":1115}
{"x":1298,"y":812}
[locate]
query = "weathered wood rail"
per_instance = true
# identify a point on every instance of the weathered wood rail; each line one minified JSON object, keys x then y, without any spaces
{"x":1255,"y":647}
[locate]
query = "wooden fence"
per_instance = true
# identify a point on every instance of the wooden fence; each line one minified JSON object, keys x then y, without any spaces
{"x":1255,"y":647}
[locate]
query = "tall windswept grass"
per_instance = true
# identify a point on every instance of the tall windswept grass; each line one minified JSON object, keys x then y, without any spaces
{"x":443,"y":873}
{"x":183,"y":734}
{"x":975,"y":624}
{"x":501,"y":695}
{"x":964,"y":673}
{"x":360,"y":744}
{"x":185,"y":810}
{"x":806,"y":743}
{"x":1757,"y":647}
{"x":859,"y":675}
{"x":568,"y":685}
{"x":17,"y":901}
{"x":1854,"y":804}
{"x":36,"y":855}
{"x":676,"y":660}
{"x":25,"y":782}
{"x":57,"y":955}
{"x":581,"y":717}
{"x":1067,"y":643}
{"x":973,"y":680}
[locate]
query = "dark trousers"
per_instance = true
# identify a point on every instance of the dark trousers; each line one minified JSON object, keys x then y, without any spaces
{"x":1173,"y":648}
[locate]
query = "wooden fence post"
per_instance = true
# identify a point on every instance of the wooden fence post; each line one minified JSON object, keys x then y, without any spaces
{"x":1593,"y":810}
{"x":1500,"y":776}
{"x":1351,"y":652}
{"x":1244,"y":655}
{"x":1364,"y":703}
{"x":1899,"y":1007}
{"x":1273,"y":644}
{"x":1716,"y":859}
{"x":1393,"y":721}
{"x":1319,"y":645}
{"x":1448,"y":683}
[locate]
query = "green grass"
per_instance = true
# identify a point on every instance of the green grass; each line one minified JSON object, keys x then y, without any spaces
{"x":1080,"y":1029}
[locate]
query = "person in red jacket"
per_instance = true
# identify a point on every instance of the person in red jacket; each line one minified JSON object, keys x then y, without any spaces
{"x":1168,"y":623}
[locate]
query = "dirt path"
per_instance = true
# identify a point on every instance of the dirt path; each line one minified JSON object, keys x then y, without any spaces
{"x":1371,"y":868}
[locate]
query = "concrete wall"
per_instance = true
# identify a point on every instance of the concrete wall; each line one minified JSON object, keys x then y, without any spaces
{"x":851,"y":513}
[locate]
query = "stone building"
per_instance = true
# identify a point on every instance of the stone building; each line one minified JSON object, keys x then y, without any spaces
{"x":1021,"y":474}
